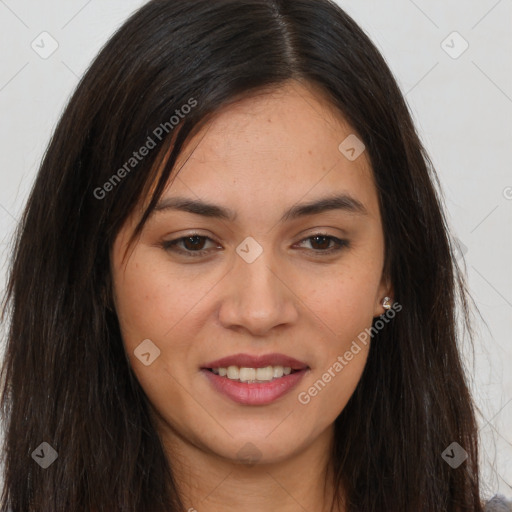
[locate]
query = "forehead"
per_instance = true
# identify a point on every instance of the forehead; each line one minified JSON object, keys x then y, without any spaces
{"x":270,"y":150}
{"x":283,"y":123}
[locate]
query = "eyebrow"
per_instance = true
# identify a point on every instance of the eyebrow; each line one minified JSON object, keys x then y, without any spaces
{"x":342,"y":202}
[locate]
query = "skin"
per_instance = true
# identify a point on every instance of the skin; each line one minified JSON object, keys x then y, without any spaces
{"x":258,"y":157}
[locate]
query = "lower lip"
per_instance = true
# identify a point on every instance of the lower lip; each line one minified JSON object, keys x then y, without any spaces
{"x":254,"y":393}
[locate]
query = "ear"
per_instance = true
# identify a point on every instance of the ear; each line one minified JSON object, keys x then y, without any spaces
{"x":385,"y":289}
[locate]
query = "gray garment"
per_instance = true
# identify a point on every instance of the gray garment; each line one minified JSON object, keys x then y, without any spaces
{"x":498,"y":504}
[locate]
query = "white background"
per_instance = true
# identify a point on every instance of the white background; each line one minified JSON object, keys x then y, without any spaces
{"x":462,"y":107}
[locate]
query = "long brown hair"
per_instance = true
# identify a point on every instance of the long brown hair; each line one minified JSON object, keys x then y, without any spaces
{"x":66,"y":377}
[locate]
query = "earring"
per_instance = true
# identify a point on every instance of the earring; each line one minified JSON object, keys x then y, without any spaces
{"x":387,"y":302}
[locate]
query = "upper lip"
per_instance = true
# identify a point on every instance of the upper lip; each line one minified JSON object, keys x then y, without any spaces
{"x":250,"y":361}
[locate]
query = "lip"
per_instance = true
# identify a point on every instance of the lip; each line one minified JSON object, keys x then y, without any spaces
{"x":253,"y":361}
{"x":254,"y":393}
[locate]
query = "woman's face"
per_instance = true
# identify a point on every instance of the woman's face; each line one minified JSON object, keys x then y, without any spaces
{"x":257,"y":282}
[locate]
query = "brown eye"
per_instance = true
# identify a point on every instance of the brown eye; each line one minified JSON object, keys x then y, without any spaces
{"x":192,"y":245}
{"x":321,"y":243}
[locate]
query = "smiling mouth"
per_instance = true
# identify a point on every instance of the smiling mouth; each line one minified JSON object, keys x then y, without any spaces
{"x":253,"y":375}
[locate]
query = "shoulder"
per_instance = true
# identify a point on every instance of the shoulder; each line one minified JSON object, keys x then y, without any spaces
{"x":498,"y":504}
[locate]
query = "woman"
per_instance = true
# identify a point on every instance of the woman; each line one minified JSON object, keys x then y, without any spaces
{"x":233,"y":284}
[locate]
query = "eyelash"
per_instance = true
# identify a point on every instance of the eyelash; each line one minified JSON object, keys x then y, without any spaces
{"x":171,"y":245}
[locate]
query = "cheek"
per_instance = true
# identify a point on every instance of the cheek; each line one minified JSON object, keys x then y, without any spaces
{"x":152,"y":300}
{"x":330,"y":389}
{"x":343,"y":301}
{"x":343,"y":353}
{"x":343,"y":308}
{"x":156,"y":304}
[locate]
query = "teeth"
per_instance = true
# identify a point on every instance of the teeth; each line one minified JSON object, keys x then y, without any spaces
{"x":247,"y":374}
{"x":233,"y":372}
{"x":264,"y":373}
{"x":243,"y":374}
{"x":278,"y":371}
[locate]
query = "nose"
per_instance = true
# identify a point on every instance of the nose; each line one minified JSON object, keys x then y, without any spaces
{"x":258,"y":297}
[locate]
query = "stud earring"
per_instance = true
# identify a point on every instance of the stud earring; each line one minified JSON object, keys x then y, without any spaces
{"x":387,"y":302}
